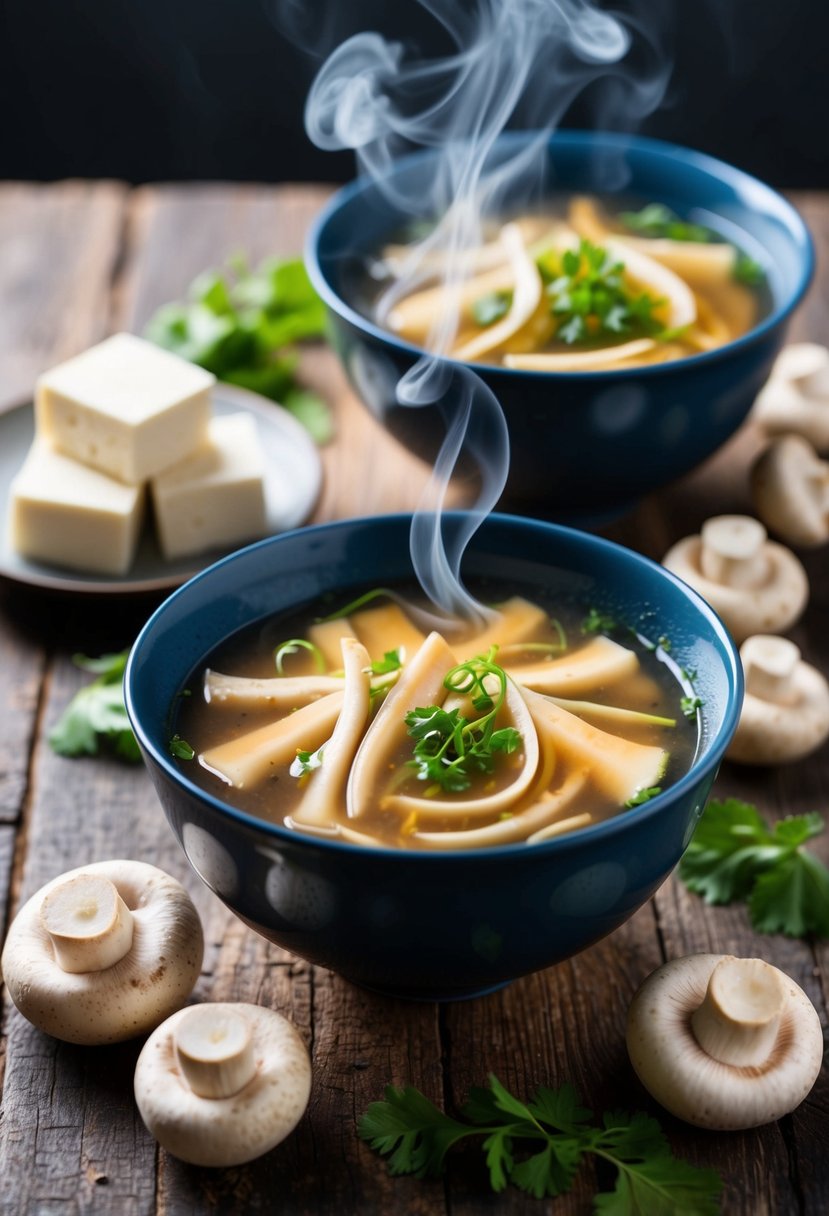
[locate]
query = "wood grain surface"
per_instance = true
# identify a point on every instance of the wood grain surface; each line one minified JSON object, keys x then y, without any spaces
{"x":81,"y":260}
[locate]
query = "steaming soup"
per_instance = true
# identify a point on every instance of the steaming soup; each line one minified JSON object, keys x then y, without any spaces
{"x":369,"y":728}
{"x":591,"y":287}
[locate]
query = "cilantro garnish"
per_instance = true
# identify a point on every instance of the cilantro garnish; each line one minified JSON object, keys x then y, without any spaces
{"x":391,"y":661}
{"x":748,"y":271}
{"x":644,"y":795}
{"x":557,"y":1133}
{"x":656,"y":219}
{"x":240,"y":324}
{"x":489,"y":308}
{"x":96,"y":714}
{"x":598,"y":622}
{"x":305,"y":762}
{"x":734,"y":855}
{"x":689,"y":705}
{"x":180,"y":748}
{"x":589,"y":297}
{"x":450,"y":748}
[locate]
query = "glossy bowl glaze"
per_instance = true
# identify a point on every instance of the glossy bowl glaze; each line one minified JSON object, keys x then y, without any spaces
{"x":583,"y":444}
{"x":428,"y":925}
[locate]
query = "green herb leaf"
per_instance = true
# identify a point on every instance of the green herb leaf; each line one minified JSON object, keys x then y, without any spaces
{"x":306,"y":762}
{"x":734,"y":855}
{"x":748,"y":271}
{"x":642,"y":796}
{"x":488,"y":309}
{"x":96,"y":715}
{"x":391,"y":661}
{"x":415,"y":1136}
{"x":239,"y":324}
{"x":181,"y":749}
{"x":591,"y":298}
{"x":656,"y":219}
{"x":450,"y":748}
{"x":598,"y":622}
{"x":689,"y":705}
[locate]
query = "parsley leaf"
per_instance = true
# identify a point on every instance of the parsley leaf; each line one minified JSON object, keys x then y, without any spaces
{"x":598,"y":622}
{"x":415,"y":1136}
{"x":489,"y":308}
{"x":240,"y":324}
{"x":96,"y":714}
{"x":591,"y":298}
{"x":391,"y":661}
{"x":734,"y":855}
{"x":690,"y":704}
{"x":450,"y":748}
{"x":656,"y":219}
{"x":180,"y":748}
{"x":644,"y":795}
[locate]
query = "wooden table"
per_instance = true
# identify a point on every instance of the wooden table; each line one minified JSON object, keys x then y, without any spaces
{"x":79,"y":261}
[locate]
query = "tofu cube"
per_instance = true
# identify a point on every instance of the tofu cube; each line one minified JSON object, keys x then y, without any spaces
{"x":125,"y":407}
{"x":216,"y":497}
{"x":67,"y":514}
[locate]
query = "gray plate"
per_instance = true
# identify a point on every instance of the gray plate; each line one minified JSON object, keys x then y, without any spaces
{"x":293,"y":475}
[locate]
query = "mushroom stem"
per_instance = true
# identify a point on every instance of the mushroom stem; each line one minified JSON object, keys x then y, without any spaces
{"x":215,"y":1051}
{"x":739,"y":1018}
{"x":732,"y":551}
{"x":88,"y":923}
{"x":769,"y":664}
{"x":806,"y":365}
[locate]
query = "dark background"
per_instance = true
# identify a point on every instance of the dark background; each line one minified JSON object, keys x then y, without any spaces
{"x":151,"y":90}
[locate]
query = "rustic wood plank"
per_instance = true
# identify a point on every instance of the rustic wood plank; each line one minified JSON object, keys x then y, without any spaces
{"x":7,"y":843}
{"x":22,"y":662}
{"x":60,"y":247}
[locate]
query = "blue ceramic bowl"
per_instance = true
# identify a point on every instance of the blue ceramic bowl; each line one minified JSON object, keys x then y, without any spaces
{"x":584,"y":444}
{"x":428,"y":925}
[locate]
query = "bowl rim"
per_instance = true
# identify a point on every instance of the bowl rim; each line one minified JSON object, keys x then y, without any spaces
{"x":736,"y":178}
{"x":701,"y":766}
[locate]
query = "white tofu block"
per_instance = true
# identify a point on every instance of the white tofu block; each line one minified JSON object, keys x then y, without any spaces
{"x":125,"y":407}
{"x":216,"y":497}
{"x":67,"y":514}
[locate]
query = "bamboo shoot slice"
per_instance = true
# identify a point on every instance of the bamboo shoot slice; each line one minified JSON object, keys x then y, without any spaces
{"x":526,"y":297}
{"x":270,"y":692}
{"x":324,"y":795}
{"x":387,"y":628}
{"x":605,"y":357}
{"x":327,"y":636}
{"x":248,"y":760}
{"x":602,"y":661}
{"x":508,"y":831}
{"x":517,"y":620}
{"x":491,"y":804}
{"x":420,"y":683}
{"x":616,"y":766}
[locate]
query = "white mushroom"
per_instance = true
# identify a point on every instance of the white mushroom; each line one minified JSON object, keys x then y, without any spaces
{"x":222,"y":1084}
{"x":796,"y":395}
{"x":785,"y":713}
{"x":756,"y":585}
{"x":103,"y":953}
{"x":790,"y":490}
{"x":724,"y":1042}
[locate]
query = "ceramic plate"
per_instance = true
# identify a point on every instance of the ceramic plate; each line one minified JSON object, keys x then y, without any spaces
{"x":293,"y":474}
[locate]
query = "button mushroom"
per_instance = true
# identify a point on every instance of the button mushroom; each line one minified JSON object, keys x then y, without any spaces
{"x":796,"y":396}
{"x":222,"y":1084}
{"x":790,"y":491}
{"x":103,"y":953}
{"x":724,"y":1042}
{"x":756,"y":585}
{"x":785,"y":713}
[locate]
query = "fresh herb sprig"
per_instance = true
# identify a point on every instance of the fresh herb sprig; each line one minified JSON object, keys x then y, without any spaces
{"x":734,"y":855}
{"x":489,"y":308}
{"x":589,"y":297}
{"x":450,"y":748}
{"x":96,"y":717}
{"x":240,"y":324}
{"x":557,"y":1133}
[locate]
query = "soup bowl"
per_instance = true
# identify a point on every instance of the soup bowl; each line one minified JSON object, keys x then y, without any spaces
{"x":431,"y":925}
{"x":584,"y":445}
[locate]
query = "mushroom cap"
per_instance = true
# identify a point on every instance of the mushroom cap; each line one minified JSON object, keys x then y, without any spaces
{"x":784,"y":729}
{"x":153,"y":979}
{"x":229,"y":1130}
{"x":693,"y":1085}
{"x":796,"y":396}
{"x":770,"y":607}
{"x":790,"y":491}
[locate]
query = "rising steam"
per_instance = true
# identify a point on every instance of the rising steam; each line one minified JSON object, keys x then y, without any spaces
{"x":516,"y":60}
